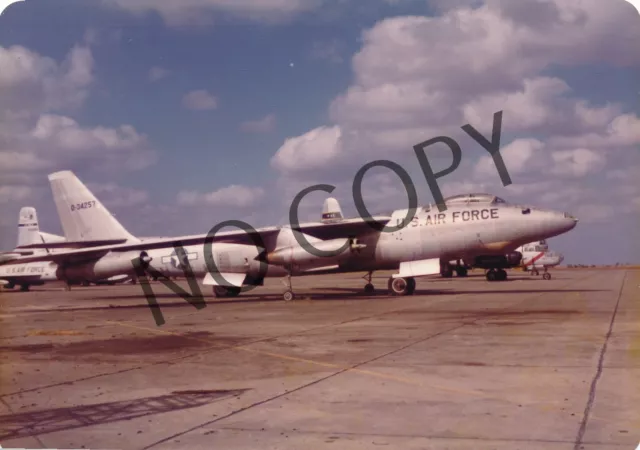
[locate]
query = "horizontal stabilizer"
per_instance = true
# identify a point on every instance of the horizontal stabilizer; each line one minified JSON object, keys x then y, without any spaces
{"x":8,"y":257}
{"x":48,"y":237}
{"x":225,"y":279}
{"x":418,"y":268}
{"x":76,"y":244}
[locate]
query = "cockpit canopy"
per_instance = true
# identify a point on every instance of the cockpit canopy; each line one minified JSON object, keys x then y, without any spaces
{"x":470,"y":199}
{"x":467,"y":199}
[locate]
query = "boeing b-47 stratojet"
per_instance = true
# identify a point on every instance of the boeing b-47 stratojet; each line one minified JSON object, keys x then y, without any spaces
{"x":413,"y":250}
{"x":38,"y":273}
{"x":34,"y":273}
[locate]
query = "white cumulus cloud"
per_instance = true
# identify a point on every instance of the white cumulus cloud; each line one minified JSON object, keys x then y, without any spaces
{"x":312,"y":150}
{"x":199,"y":100}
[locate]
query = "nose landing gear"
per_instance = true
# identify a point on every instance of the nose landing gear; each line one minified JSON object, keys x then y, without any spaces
{"x":369,"y":288}
{"x":288,"y":294}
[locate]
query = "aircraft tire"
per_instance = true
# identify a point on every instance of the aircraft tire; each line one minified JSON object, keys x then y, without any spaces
{"x":24,"y":287}
{"x":462,"y":272}
{"x":491,"y":275}
{"x":369,"y":288}
{"x":233,"y":291}
{"x":412,"y":285}
{"x":401,"y":286}
{"x":502,"y":275}
{"x":9,"y":286}
{"x":546,"y":276}
{"x":220,"y":292}
{"x":288,"y":296}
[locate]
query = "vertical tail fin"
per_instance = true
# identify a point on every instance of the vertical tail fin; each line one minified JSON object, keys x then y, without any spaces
{"x":28,"y":227}
{"x":82,"y":215}
{"x":331,"y":211}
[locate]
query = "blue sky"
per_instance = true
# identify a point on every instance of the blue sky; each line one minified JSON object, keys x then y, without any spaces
{"x":380,"y":78}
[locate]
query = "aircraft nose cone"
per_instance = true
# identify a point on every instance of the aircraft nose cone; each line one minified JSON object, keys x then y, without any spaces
{"x":568,"y":221}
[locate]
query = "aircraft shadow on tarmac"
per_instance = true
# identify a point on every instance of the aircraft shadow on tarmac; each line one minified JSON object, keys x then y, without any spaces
{"x":458,"y":292}
{"x":343,"y":294}
{"x":14,"y":426}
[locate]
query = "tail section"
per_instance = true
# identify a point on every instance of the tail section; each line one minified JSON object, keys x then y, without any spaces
{"x":331,"y":211}
{"x":82,"y":215}
{"x":28,"y":227}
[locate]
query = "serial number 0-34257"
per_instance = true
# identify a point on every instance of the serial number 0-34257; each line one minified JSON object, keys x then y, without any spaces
{"x":83,"y":205}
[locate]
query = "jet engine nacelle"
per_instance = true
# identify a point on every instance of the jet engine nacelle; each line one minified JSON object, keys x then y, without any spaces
{"x":300,"y":256}
{"x":110,"y":265}
{"x":509,"y":260}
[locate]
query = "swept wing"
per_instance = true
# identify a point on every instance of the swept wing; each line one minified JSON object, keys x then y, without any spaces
{"x":346,"y":228}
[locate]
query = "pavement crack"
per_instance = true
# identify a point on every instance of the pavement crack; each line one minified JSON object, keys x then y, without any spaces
{"x":303,"y":386}
{"x":38,"y":440}
{"x":598,"y":374}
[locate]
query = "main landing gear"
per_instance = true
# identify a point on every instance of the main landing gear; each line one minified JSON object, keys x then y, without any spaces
{"x":402,"y":286}
{"x":226,"y":291}
{"x":446,"y":270}
{"x":496,"y":275}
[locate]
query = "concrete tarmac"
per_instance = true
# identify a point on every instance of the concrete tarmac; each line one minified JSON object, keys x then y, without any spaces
{"x":462,"y":364}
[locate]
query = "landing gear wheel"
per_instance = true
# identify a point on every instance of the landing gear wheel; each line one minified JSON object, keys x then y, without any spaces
{"x":24,"y":288}
{"x":412,"y":285}
{"x":546,"y":276}
{"x":369,"y":288}
{"x":502,"y":275}
{"x":446,"y":273}
{"x":288,"y":296}
{"x":223,"y":291}
{"x":492,"y":275}
{"x":402,"y":286}
{"x":461,"y":271}
{"x":233,"y":291}
{"x":219,"y":291}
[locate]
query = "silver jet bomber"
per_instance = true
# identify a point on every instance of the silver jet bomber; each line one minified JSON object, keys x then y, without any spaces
{"x":230,"y":261}
{"x":488,"y":253}
{"x":34,"y":273}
